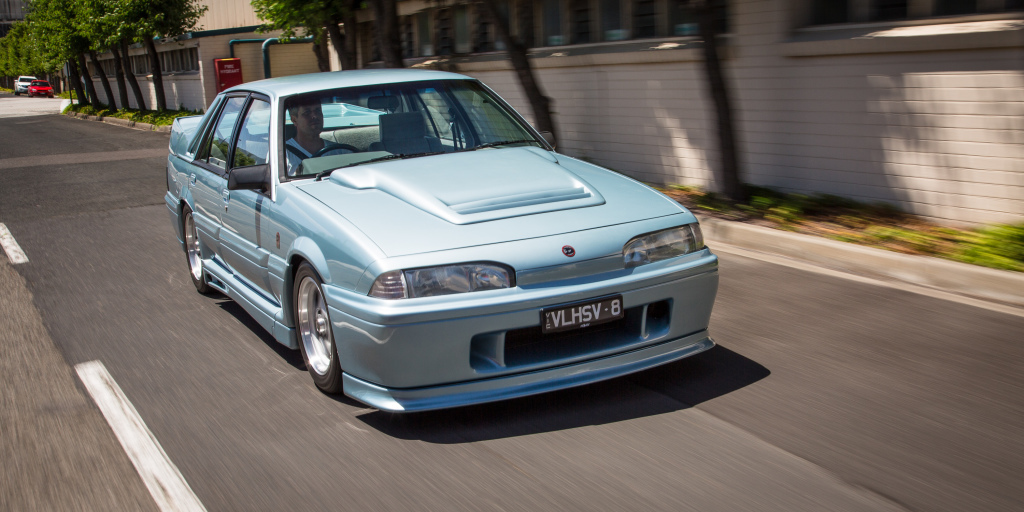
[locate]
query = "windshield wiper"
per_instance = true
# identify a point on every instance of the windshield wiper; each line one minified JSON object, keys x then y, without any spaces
{"x":501,"y":143}
{"x":328,"y":172}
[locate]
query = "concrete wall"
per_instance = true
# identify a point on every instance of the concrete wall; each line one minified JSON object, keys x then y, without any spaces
{"x":930,"y":118}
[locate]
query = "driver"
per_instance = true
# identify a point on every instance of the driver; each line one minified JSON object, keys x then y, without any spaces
{"x":308,"y":118}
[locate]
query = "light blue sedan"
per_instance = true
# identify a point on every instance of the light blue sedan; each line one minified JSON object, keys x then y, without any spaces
{"x":424,"y":247}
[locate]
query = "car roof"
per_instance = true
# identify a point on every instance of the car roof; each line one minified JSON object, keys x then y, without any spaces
{"x":297,"y":84}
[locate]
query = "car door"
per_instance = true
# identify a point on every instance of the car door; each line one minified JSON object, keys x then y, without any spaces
{"x":240,"y":232}
{"x":209,"y":178}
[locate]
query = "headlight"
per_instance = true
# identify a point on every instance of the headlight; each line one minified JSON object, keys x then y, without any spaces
{"x":662,"y":245}
{"x":446,"y":280}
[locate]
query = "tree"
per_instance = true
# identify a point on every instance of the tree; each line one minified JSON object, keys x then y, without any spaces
{"x":119,"y":70}
{"x":389,"y":39}
{"x":164,"y":18}
{"x":516,"y":48}
{"x":316,"y":18}
{"x":103,"y":79}
{"x":58,"y":41}
{"x":708,"y":15}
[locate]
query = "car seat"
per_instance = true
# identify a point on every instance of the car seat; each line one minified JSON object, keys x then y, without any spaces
{"x":405,"y":134}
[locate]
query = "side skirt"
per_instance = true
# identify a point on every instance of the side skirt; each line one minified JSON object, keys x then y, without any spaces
{"x":266,"y":313}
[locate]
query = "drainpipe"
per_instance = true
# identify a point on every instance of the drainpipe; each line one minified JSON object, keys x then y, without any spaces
{"x":266,"y":50}
{"x":267,"y":43}
{"x":233,"y":42}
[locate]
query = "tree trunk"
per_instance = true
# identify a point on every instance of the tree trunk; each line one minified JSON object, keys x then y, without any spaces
{"x":705,"y":11}
{"x":539,"y":103}
{"x":140,"y":102}
{"x":323,"y":58}
{"x":158,"y":75}
{"x":340,"y":45}
{"x":76,"y":83}
{"x":351,"y":36}
{"x":389,"y":39}
{"x":122,"y":88}
{"x":90,"y":89}
{"x":103,"y":80}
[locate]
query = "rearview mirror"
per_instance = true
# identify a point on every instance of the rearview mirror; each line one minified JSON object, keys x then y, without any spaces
{"x":255,"y":177}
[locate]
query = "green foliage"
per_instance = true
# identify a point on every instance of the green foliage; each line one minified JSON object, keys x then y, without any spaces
{"x":155,"y":117}
{"x":1000,"y":246}
{"x":292,"y":16}
{"x":879,"y":225}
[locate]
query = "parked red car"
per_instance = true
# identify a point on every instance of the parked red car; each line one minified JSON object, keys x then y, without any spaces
{"x":40,"y":88}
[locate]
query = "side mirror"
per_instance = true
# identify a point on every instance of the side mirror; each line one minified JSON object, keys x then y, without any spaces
{"x":550,"y":137}
{"x":255,"y":177}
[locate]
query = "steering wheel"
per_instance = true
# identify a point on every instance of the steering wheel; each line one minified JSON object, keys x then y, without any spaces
{"x":331,"y":146}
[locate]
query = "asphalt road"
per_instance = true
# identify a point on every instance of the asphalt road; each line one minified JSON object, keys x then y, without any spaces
{"x":824,"y":394}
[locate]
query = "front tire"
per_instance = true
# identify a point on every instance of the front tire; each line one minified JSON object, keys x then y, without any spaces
{"x":193,"y":254}
{"x":314,"y":330}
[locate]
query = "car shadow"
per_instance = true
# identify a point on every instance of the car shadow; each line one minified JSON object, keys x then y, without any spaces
{"x":669,"y":388}
{"x":292,"y":357}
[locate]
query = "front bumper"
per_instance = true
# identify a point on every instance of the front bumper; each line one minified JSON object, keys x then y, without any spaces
{"x":514,"y":386}
{"x":463,"y":349}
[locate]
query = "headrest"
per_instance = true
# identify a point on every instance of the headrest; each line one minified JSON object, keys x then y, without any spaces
{"x":387,"y":104}
{"x":289,"y":131}
{"x":403,"y":133}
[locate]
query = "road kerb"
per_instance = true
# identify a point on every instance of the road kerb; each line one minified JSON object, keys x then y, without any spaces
{"x":998,"y":285}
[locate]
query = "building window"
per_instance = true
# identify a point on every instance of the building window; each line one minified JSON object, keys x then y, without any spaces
{"x":425,"y":33}
{"x":140,"y":64}
{"x":645,"y":14}
{"x":553,"y":23}
{"x":483,"y":37}
{"x":829,"y":11}
{"x":885,"y":10}
{"x":445,"y":42}
{"x":462,"y":40}
{"x":579,"y":13}
{"x":954,"y":7}
{"x":108,"y":67}
{"x":172,"y":61}
{"x":611,"y":21}
{"x":856,"y":11}
{"x":680,"y":18}
{"x":408,"y":43}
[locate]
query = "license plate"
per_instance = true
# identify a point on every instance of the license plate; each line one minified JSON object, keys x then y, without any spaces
{"x":578,"y":316}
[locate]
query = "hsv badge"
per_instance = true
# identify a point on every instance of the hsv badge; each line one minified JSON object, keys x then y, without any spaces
{"x":568,"y":251}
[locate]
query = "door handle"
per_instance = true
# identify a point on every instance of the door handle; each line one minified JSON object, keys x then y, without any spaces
{"x":226,"y":195}
{"x":192,"y":180}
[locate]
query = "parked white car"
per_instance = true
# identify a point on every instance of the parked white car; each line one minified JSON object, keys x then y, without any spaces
{"x":21,"y":84}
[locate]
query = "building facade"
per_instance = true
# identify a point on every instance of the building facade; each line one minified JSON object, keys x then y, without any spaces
{"x":10,"y":12}
{"x":917,"y":103}
{"x":228,"y":29}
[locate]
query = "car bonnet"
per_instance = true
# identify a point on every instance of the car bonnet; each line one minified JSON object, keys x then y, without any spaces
{"x":482,"y":197}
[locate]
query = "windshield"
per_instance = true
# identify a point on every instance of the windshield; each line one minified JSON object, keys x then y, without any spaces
{"x":337,"y":128}
{"x":41,"y":83}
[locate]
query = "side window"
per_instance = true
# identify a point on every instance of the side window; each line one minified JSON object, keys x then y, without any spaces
{"x":216,"y":152}
{"x":253,"y":146}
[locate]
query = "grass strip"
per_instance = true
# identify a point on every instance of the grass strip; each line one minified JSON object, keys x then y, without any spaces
{"x":154,"y":117}
{"x":877,"y":225}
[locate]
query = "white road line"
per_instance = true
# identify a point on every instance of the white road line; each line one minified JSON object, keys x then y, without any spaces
{"x":11,"y":246}
{"x":907,"y":287}
{"x":169,"y":489}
